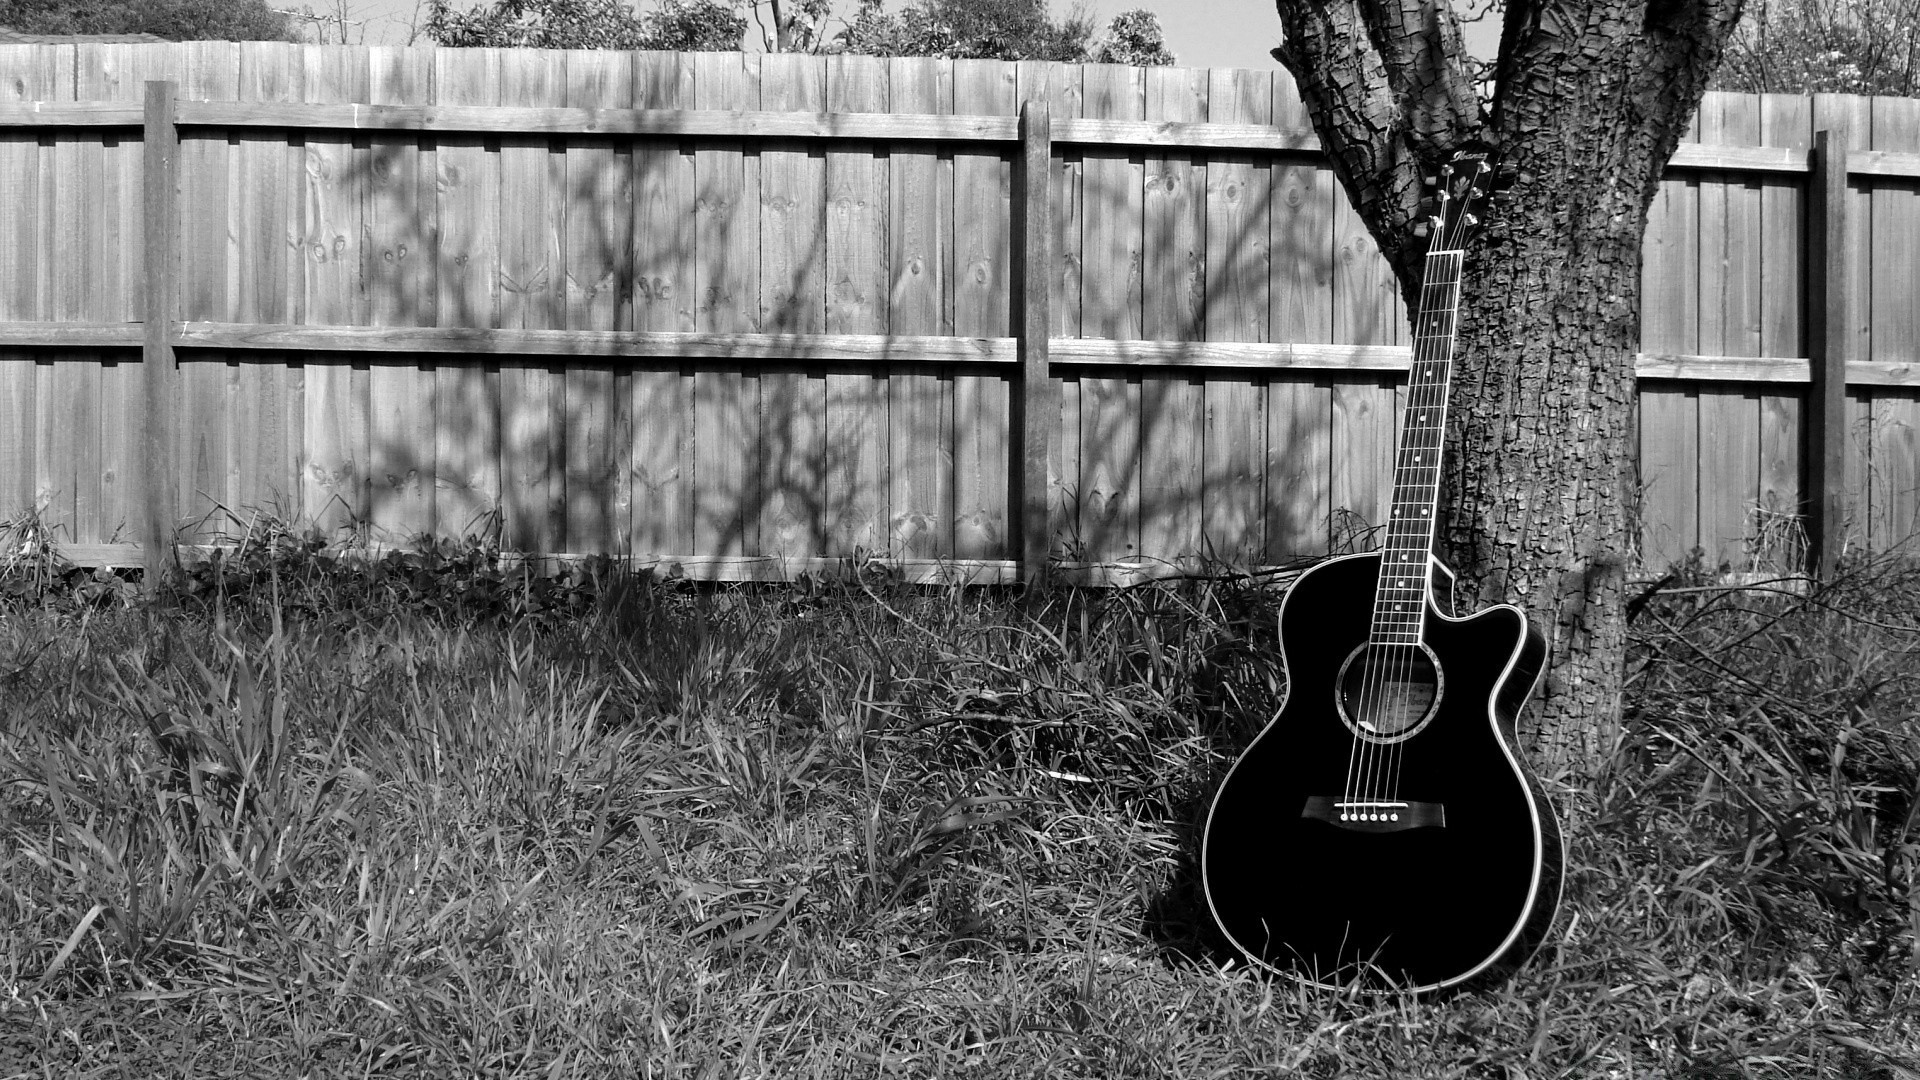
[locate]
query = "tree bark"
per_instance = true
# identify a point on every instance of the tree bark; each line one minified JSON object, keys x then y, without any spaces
{"x":1589,"y":101}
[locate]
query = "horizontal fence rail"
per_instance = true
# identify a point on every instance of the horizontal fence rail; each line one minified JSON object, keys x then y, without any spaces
{"x":745,"y":316}
{"x":871,"y":349}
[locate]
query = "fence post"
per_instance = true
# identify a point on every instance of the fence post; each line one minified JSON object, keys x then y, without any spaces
{"x":160,"y":184}
{"x":1039,"y":393}
{"x":1830,"y":344}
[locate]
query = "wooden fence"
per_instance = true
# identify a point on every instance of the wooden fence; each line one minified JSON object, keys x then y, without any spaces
{"x":745,"y":314}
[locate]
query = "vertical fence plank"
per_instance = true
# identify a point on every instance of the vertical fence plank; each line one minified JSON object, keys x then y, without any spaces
{"x":666,"y":290}
{"x":726,"y":400}
{"x":1365,"y":296}
{"x":49,"y":494}
{"x":1238,"y":197}
{"x":1299,"y":467}
{"x":981,"y":246}
{"x":18,"y":375}
{"x":1039,"y":403}
{"x":791,"y":202}
{"x":1109,"y":453}
{"x":1304,"y":201}
{"x":1894,"y":466}
{"x":24,"y":266}
{"x":1730,"y":282}
{"x":1173,"y":307}
{"x":793,"y":401}
{"x":1669,"y":413}
{"x":1178,"y":216}
{"x":919,"y":398}
{"x":1115,"y":182}
{"x":597,"y":296}
{"x":1065,"y":96}
{"x":1110,"y":401}
{"x":68,"y":420}
{"x":1239,"y":308}
{"x":334,"y":486}
{"x":1299,"y":411}
{"x":398,"y":275}
{"x":209,"y":71}
{"x":856,"y":281}
{"x":665,"y":295}
{"x":1367,"y":311}
{"x":1362,"y":440}
{"x":1785,"y":120}
{"x":161,"y":262}
{"x":1067,"y":99}
{"x":117,"y":291}
{"x":532,"y":268}
{"x":264,"y":438}
{"x":467,"y":274}
{"x":1840,"y":224}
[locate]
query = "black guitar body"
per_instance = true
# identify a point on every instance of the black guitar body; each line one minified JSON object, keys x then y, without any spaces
{"x":1462,"y":884}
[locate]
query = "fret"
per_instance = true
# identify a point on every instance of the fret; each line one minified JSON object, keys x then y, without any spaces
{"x":1400,"y":597}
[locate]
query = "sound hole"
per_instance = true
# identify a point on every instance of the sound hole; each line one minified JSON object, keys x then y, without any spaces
{"x":1388,"y":692}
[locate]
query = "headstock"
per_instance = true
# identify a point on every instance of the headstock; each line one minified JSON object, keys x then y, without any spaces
{"x":1448,"y":213}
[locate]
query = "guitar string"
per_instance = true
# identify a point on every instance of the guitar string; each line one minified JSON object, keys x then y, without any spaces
{"x":1395,"y":668}
{"x":1406,"y":531}
{"x":1378,"y":673}
{"x":1386,"y":689}
{"x":1435,"y":388}
{"x":1414,"y":538}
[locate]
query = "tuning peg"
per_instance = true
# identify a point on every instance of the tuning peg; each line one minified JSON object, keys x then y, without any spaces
{"x":1505,"y":175}
{"x":1422,"y":229}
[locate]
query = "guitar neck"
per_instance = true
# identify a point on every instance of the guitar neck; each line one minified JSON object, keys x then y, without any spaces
{"x":1401,"y":598}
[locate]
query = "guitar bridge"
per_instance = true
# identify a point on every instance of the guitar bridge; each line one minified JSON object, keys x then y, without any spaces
{"x":1375,"y":815}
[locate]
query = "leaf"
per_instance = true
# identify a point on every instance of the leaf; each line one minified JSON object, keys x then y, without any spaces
{"x":73,"y":941}
{"x":499,"y":924}
{"x":765,"y":925}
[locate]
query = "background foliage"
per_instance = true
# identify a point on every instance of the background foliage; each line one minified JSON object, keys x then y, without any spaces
{"x":175,"y":20}
{"x":1825,"y":46}
{"x":970,"y":29}
{"x":682,"y":25}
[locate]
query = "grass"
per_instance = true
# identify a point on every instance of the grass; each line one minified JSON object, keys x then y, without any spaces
{"x":428,"y":817}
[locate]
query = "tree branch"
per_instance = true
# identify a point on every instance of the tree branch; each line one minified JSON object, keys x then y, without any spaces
{"x":1390,"y":98}
{"x":1419,"y":42}
{"x":1683,"y":41}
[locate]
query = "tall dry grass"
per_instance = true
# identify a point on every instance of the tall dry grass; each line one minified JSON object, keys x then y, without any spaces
{"x":435,"y":817}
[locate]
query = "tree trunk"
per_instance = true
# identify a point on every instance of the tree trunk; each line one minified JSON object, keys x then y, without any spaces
{"x":1589,"y":102}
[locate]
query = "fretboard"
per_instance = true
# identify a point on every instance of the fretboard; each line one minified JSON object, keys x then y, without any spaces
{"x":1399,"y":604}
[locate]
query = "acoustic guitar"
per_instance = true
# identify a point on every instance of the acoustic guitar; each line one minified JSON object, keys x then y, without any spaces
{"x":1382,"y":831}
